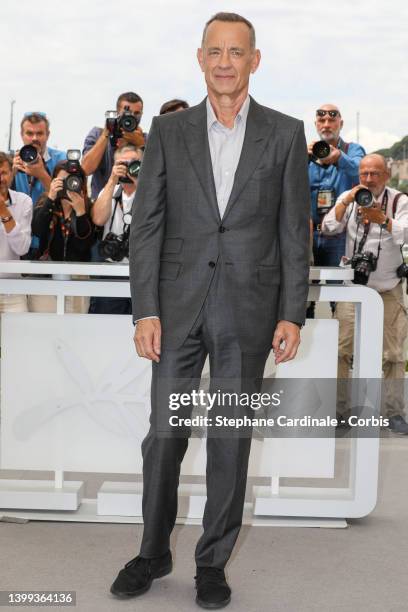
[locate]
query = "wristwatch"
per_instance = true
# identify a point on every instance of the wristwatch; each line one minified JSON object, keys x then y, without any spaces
{"x":384,"y":225}
{"x":6,"y":219}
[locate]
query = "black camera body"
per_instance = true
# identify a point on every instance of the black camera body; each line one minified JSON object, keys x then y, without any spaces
{"x":127,"y":121}
{"x":133,"y":167}
{"x":74,"y":181}
{"x":363,"y":264}
{"x":402,"y":270}
{"x":115,"y":247}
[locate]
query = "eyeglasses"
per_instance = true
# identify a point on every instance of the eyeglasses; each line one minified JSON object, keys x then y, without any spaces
{"x":374,"y":174}
{"x":332,"y":113}
{"x":35,"y":113}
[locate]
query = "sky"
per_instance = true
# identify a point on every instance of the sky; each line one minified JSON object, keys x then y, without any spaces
{"x":72,"y":60}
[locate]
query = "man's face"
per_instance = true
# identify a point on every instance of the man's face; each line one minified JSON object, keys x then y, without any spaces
{"x":328,"y":127}
{"x":135,"y":107}
{"x":227,"y":59}
{"x":35,"y":134}
{"x":373,"y":175}
{"x":6,"y":177}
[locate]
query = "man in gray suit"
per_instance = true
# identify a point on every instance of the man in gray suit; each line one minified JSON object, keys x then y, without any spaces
{"x":219,"y":252}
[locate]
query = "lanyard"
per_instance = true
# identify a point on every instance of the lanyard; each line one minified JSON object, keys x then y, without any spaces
{"x":384,"y":203}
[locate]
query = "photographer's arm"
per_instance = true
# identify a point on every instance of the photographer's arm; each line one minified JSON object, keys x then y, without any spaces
{"x":93,"y":151}
{"x":102,"y":207}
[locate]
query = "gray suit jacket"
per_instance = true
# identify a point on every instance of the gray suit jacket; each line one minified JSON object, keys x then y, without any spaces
{"x":262,"y":242}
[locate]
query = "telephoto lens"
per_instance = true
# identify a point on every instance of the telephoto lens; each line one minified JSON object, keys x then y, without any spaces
{"x":321,"y":149}
{"x":364,"y":197}
{"x":28,"y":154}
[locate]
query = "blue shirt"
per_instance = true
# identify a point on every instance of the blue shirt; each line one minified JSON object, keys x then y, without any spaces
{"x":338,"y":177}
{"x":51,"y":159}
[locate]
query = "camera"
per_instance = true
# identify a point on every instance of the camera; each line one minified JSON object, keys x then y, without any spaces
{"x":115,"y":247}
{"x":320,"y":150}
{"x":127,"y":121}
{"x":74,"y":181}
{"x":133,"y":167}
{"x":363,"y":264}
{"x":364,"y":197}
{"x":29,"y":154}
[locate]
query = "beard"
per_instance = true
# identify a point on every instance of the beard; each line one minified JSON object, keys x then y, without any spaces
{"x":329,"y":135}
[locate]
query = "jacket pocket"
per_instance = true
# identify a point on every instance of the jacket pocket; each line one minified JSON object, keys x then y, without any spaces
{"x":269,"y":275}
{"x":266,"y":173}
{"x":169,"y":270}
{"x":172,"y":245}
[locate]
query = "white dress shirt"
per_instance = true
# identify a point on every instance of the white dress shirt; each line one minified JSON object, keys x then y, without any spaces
{"x":385,"y":276}
{"x":225,"y":148}
{"x":17,"y":242}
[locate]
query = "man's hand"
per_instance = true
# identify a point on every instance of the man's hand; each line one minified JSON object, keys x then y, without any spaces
{"x":288,"y":333}
{"x":372,"y":215}
{"x":18,"y":164}
{"x":77,"y":203}
{"x":36,"y":169}
{"x":135,"y":138}
{"x":119,"y":170}
{"x":148,"y":339}
{"x":310,"y":147}
{"x":333,"y":157}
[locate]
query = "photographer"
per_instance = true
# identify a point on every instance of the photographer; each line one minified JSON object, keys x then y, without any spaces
{"x":101,"y":143}
{"x":16,"y":211}
{"x":34,"y":177}
{"x":376,"y":228}
{"x":113,"y":210}
{"x":333,"y":168}
{"x":173,"y":106}
{"x":65,"y":229}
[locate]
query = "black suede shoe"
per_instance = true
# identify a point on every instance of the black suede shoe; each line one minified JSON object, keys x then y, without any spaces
{"x":212,"y":589}
{"x":138,"y":574}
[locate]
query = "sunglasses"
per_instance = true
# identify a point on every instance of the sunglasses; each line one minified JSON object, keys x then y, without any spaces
{"x":332,"y":113}
{"x":35,"y":113}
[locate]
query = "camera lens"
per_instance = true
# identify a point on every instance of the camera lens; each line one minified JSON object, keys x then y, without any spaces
{"x":28,"y":154}
{"x":128,"y":123}
{"x":321,"y":149}
{"x":74,"y":183}
{"x":364,"y":197}
{"x":133,"y":168}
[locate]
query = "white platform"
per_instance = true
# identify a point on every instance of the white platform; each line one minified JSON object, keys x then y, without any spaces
{"x":125,"y":499}
{"x":40,"y":494}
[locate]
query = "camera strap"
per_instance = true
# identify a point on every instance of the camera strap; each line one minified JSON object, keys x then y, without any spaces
{"x":384,"y":203}
{"x":118,"y":201}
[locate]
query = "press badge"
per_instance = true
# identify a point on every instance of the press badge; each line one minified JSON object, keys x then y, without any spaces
{"x":325,"y":200}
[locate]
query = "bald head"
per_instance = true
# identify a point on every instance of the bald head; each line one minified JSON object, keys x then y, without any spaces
{"x":376,"y":159}
{"x":330,"y":107}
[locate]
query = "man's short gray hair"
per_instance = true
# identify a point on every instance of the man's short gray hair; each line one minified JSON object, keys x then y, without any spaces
{"x":231,"y":18}
{"x":125,"y":148}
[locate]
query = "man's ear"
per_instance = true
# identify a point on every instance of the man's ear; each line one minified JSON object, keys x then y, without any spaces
{"x":200,"y":58}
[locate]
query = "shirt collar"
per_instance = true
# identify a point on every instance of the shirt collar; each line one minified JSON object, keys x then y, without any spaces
{"x":241,"y":115}
{"x":46,"y":156}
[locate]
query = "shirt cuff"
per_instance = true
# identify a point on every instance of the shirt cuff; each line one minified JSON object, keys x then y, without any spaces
{"x":144,"y":318}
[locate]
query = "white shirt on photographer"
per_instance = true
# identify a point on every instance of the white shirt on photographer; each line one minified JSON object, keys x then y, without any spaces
{"x":385,"y":276}
{"x":117,"y":222}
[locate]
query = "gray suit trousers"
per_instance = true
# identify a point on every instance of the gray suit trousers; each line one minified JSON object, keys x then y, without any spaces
{"x":179,"y":371}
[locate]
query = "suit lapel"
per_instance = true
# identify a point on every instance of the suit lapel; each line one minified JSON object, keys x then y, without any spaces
{"x":196,"y":139}
{"x":257,"y":133}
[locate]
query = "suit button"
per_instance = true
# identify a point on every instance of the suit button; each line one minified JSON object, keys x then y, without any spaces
{"x":222,"y":229}
{"x":212,"y":264}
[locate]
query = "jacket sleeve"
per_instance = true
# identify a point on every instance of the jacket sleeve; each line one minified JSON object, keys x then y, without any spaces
{"x":41,"y":219}
{"x":294,"y":232}
{"x":147,"y":229}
